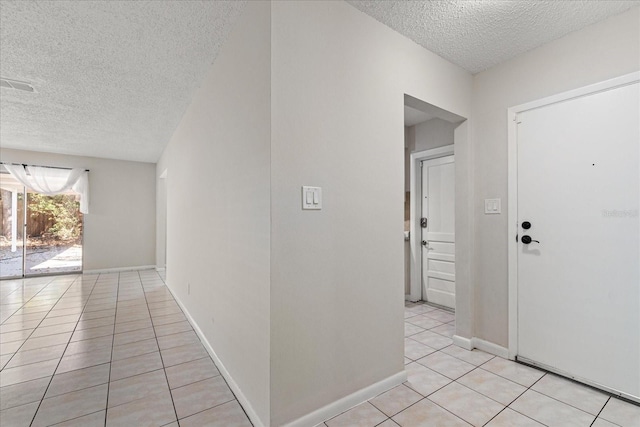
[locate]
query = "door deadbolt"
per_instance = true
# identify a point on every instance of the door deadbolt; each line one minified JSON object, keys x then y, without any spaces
{"x":526,"y":225}
{"x":423,"y":222}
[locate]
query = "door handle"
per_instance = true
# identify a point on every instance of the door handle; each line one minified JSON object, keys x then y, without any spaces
{"x":527,"y":239}
{"x":425,"y":243}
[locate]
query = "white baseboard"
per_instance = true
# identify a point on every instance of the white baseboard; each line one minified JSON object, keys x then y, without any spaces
{"x":160,"y":269}
{"x":354,"y":399}
{"x":463,"y":342}
{"x":119,"y":269}
{"x":480,"y":344}
{"x":242,"y":399}
{"x":490,"y":348}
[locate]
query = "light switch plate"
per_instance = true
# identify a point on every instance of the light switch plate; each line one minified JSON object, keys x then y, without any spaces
{"x":492,"y":206}
{"x":311,"y":198}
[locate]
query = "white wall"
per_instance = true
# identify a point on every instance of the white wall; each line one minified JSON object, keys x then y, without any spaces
{"x":338,"y":84}
{"x":119,"y":230}
{"x":218,"y":201}
{"x":433,"y":133}
{"x":599,"y":52}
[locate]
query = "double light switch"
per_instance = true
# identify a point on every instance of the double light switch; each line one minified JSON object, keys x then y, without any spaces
{"x":311,"y":197}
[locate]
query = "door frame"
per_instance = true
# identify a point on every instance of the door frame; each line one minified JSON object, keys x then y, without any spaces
{"x":415,"y":207}
{"x":512,"y":183}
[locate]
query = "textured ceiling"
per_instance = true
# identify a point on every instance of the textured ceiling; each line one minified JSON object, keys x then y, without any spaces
{"x":112,"y":78}
{"x":478,"y":34}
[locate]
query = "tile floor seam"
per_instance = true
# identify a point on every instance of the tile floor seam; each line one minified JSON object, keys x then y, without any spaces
{"x":113,"y":337}
{"x":65,"y":349}
{"x":568,"y":404}
{"x":445,"y":409}
{"x":164,"y":368}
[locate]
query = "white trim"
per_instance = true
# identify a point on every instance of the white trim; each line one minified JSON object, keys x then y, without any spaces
{"x":354,"y":399}
{"x":480,"y":344}
{"x":414,"y":207}
{"x":161,"y":269}
{"x":242,"y":399}
{"x":119,"y":269}
{"x":513,"y":186}
{"x":463,"y":342}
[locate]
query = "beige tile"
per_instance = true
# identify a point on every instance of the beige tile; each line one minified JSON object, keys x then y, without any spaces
{"x":137,"y":387}
{"x":11,"y":347}
{"x":493,"y":386}
{"x":510,"y":418}
{"x":92,"y":420}
{"x":201,"y":395}
{"x":467,"y":404}
{"x":86,"y":334}
{"x":410,"y":330}
{"x":177,"y":340}
{"x":170,"y":318}
{"x":37,"y":355}
{"x":90,"y":315}
{"x":363,"y":415}
{"x":43,"y":331}
{"x":27,"y":372}
{"x":621,"y":413}
{"x":134,"y":349}
{"x":549,"y":411}
{"x":191,"y":372}
{"x":23,"y":393}
{"x":59,"y":320}
{"x":151,"y":411}
{"x":18,"y":326}
{"x":183,"y":354}
{"x":71,"y":405}
{"x":165,"y":311}
{"x":79,"y":379}
{"x":427,"y":414}
{"x":48,"y":341}
{"x":388,"y":423}
{"x":90,"y":345}
{"x":475,"y":357}
{"x":130,"y":317}
{"x":448,"y":330}
{"x":25,"y":317}
{"x":513,"y":371}
{"x":173,"y":328}
{"x":77,"y":361}
{"x":446,"y":365}
{"x":133,"y":336}
{"x":441,"y":316}
{"x":599,"y":422}
{"x":15,"y":336}
{"x":229,"y":414}
{"x":133,"y":326}
{"x":424,"y":380}
{"x":424,"y":322}
{"x":395,"y":400}
{"x":582,"y":397}
{"x":135,"y":365}
{"x":432,"y":339}
{"x":415,"y":350}
{"x":95,"y":323}
{"x":19,"y":416}
{"x":421,"y":308}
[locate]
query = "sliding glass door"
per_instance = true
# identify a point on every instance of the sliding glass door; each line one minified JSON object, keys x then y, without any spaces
{"x":11,"y":235}
{"x":40,"y":234}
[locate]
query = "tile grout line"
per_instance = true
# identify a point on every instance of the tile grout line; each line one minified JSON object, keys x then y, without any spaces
{"x":164,"y":369}
{"x":113,"y":337}
{"x":66,"y":346}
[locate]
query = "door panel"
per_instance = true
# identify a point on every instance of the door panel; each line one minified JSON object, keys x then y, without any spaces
{"x":12,"y":223}
{"x":438,"y":255}
{"x":578,"y":288}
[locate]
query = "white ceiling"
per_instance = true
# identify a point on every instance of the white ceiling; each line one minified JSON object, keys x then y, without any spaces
{"x":113,"y":78}
{"x":478,"y":34}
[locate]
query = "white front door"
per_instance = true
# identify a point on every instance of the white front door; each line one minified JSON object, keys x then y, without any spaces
{"x":438,"y":237}
{"x":579,"y":275}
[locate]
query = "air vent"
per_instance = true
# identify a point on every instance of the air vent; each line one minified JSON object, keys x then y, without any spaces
{"x":16,"y":84}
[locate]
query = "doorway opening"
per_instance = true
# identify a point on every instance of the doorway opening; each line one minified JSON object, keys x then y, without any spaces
{"x":40,"y":234}
{"x":430,"y":193}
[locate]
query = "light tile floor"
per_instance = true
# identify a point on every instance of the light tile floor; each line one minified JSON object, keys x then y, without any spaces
{"x":105,"y":350}
{"x":116,"y":350}
{"x":450,"y":386}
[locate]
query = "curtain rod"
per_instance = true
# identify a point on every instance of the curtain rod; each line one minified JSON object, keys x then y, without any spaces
{"x":38,"y":166}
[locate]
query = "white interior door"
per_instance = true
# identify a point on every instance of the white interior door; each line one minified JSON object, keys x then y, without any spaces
{"x":578,"y":287}
{"x":438,"y":238}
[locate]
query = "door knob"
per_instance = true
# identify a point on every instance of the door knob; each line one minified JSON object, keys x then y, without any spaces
{"x":425,"y":243}
{"x":526,"y":225}
{"x":527,"y":239}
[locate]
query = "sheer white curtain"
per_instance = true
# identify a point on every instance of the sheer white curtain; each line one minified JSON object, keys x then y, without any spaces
{"x":52,"y":181}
